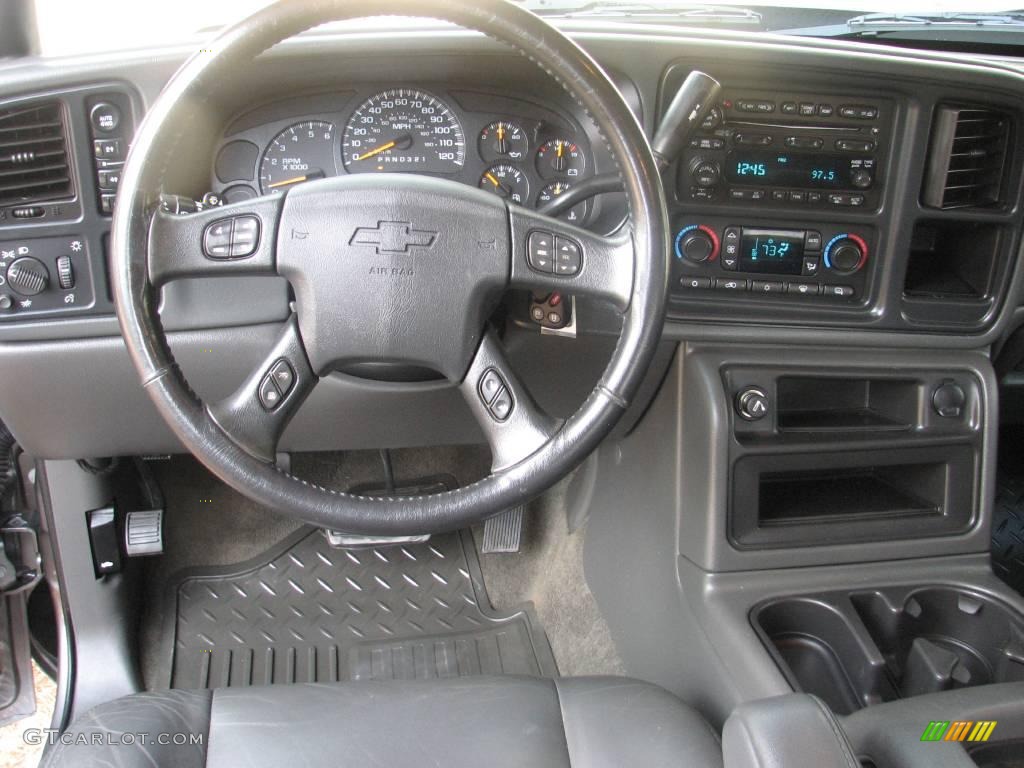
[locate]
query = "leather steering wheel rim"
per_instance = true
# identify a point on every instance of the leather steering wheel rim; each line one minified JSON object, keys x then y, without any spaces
{"x":565,"y":446}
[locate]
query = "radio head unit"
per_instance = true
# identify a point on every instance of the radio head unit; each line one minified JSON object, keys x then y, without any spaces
{"x":791,"y":149}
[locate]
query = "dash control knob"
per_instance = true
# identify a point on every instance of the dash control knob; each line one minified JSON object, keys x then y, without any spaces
{"x":697,"y":243}
{"x":846,"y":254}
{"x":705,"y":173}
{"x":28,"y":276}
{"x":697,"y":247}
{"x":861,"y":178}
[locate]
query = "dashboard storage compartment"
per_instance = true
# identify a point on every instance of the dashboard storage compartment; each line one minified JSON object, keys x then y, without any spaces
{"x":809,"y":403}
{"x":952,"y":260}
{"x":858,"y":648}
{"x":802,"y":499}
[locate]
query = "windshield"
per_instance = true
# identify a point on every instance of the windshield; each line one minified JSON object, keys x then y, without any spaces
{"x":69,"y":27}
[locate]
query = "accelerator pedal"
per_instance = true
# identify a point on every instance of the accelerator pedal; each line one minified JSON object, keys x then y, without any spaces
{"x":503,"y":533}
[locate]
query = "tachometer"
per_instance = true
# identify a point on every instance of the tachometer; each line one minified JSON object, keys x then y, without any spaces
{"x":403,"y":130}
{"x":301,"y":152}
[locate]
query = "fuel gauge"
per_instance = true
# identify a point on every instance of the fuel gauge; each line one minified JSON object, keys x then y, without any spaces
{"x":503,"y":140}
{"x":507,"y":181}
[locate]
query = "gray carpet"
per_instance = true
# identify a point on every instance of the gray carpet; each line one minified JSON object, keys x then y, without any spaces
{"x":207,"y":525}
{"x":548,"y":572}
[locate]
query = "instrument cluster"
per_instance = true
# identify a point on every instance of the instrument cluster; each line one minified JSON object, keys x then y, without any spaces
{"x":517,"y":149}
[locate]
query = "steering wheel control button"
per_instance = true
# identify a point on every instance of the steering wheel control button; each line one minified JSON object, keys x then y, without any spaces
{"x":490,"y":385}
{"x":245,"y":236}
{"x":540,"y":252}
{"x":568,"y":257}
{"x":283,"y":376}
{"x":495,"y":395}
{"x":217,"y":240}
{"x":235,"y":238}
{"x":752,"y":404}
{"x":501,"y":408}
{"x":270,"y":398}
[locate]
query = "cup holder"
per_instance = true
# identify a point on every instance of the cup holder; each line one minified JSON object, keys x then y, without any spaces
{"x":855,"y":649}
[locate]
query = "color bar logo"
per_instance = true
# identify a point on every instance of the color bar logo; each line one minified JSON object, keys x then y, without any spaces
{"x":958,"y":730}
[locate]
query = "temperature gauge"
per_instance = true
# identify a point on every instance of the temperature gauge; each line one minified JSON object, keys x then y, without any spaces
{"x":503,"y":140}
{"x":560,"y":157}
{"x":507,"y":181}
{"x":576,"y":214}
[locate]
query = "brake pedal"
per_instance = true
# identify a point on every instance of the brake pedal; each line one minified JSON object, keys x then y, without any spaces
{"x":144,"y":533}
{"x":503,"y":533}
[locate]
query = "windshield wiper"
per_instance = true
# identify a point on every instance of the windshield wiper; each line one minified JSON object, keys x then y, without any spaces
{"x":917,"y":24}
{"x":689,"y":13}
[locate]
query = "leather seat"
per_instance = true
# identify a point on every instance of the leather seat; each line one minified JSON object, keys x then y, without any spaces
{"x":506,"y":721}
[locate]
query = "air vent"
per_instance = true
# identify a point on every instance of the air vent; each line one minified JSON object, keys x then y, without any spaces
{"x":33,"y":155}
{"x":967,"y":158}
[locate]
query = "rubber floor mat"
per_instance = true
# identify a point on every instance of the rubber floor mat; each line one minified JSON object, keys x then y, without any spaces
{"x":305,"y":612}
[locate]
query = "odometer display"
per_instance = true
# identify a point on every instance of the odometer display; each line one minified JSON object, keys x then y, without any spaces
{"x":403,"y":130}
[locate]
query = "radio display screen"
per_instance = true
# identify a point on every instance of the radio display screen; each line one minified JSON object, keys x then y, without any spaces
{"x":776,"y":251}
{"x":784,"y":169}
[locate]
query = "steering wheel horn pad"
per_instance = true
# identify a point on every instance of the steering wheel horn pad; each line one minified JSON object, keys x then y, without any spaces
{"x":388,"y":268}
{"x":393,"y":268}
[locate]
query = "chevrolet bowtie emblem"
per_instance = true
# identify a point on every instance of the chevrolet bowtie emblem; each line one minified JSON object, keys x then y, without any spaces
{"x":393,"y":237}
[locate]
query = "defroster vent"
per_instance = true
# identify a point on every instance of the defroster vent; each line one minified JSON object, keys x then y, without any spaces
{"x":34,"y":162}
{"x":967,"y":159}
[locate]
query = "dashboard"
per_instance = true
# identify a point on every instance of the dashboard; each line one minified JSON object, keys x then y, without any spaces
{"x":814,"y":207}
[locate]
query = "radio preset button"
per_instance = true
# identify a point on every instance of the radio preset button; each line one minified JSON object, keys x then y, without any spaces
{"x":797,"y":197}
{"x":804,"y":142}
{"x":854,"y":145}
{"x":779,"y":195}
{"x":858,"y":111}
{"x":814,"y":197}
{"x":753,"y":139}
{"x":708,"y":142}
{"x":789,"y":108}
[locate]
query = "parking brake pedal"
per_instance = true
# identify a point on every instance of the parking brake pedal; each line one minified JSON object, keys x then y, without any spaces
{"x":503,"y":533}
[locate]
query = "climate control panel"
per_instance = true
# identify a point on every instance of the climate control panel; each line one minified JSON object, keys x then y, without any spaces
{"x":830,"y":262}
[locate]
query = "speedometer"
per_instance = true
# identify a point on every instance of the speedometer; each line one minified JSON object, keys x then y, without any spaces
{"x":403,"y":130}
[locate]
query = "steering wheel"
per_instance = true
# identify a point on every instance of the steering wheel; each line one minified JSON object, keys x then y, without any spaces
{"x":389,"y":267}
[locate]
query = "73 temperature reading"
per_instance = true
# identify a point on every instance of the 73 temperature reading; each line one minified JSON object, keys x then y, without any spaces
{"x":769,"y":249}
